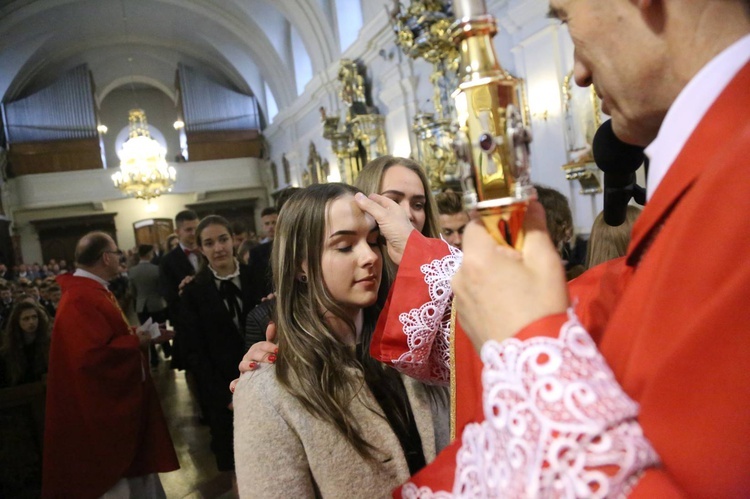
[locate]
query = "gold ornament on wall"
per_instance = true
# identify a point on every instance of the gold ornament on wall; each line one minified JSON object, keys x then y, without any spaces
{"x":357,"y":136}
{"x":318,"y":169}
{"x":582,"y":110}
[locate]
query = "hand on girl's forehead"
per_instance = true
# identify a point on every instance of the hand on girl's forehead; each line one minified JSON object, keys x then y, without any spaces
{"x":345,"y":215}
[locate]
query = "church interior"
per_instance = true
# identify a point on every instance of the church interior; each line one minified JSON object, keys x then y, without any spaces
{"x":242,"y":99}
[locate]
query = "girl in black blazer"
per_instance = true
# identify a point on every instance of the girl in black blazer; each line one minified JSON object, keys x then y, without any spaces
{"x":214,"y":307}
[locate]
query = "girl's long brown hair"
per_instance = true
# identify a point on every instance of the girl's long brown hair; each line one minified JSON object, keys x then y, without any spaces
{"x":312,"y":364}
{"x":12,"y":345}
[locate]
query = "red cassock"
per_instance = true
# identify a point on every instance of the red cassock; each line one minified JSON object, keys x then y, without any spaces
{"x":103,"y":417}
{"x":671,"y":322}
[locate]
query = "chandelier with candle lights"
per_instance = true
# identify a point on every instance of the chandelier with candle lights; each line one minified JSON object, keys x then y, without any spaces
{"x":144,"y":172}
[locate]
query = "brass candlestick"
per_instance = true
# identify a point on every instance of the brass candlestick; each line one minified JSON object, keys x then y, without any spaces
{"x":493,"y":141}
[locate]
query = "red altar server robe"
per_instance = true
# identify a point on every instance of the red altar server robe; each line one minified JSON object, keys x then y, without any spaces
{"x":103,"y":417}
{"x":671,"y":320}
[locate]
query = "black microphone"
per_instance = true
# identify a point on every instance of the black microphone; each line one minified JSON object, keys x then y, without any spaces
{"x":619,"y":162}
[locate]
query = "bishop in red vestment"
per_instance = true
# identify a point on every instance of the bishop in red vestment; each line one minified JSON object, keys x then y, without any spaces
{"x":103,"y":417}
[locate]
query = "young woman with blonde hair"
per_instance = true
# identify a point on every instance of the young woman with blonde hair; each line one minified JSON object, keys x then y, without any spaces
{"x":605,"y":242}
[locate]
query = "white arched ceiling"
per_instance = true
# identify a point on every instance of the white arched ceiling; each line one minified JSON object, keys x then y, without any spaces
{"x":128,"y":80}
{"x":309,"y":19}
{"x":236,"y":40}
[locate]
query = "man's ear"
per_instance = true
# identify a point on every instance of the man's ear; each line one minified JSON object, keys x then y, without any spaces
{"x":652,"y":12}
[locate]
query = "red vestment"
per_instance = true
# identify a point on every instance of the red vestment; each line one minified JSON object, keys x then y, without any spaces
{"x":671,"y":323}
{"x":103,"y":417}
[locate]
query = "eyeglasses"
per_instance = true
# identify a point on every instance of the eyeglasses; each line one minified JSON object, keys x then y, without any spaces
{"x":115,"y":252}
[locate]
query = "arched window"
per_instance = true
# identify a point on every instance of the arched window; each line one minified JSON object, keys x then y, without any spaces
{"x":271,"y":106}
{"x":349,"y":20}
{"x":302,"y":65}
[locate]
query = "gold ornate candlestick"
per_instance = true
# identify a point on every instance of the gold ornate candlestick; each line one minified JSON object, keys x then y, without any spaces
{"x":493,"y":142}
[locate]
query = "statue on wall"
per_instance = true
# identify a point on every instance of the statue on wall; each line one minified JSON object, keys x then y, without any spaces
{"x":352,"y":91}
{"x":287,"y":169}
{"x":317,"y":169}
{"x":357,"y":135}
{"x":275,"y":175}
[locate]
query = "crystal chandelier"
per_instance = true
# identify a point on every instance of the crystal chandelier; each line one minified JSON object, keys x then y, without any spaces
{"x":144,"y":173}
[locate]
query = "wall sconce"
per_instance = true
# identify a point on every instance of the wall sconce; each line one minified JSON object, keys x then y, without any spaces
{"x":102,"y":129}
{"x":178,"y":125}
{"x":587,"y":175}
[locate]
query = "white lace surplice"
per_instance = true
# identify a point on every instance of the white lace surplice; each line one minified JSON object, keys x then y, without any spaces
{"x":557,"y":424}
{"x":427,"y":327}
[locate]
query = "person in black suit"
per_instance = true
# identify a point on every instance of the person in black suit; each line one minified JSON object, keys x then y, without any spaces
{"x":143,"y":279}
{"x":179,"y":263}
{"x":260,"y":256}
{"x":214,"y":307}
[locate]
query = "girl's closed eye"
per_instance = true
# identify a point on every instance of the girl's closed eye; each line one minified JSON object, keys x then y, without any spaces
{"x":375,"y":240}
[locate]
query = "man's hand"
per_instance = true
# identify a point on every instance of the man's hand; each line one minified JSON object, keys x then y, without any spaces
{"x":498,"y":290}
{"x":263,"y":351}
{"x":166,"y":335}
{"x":144,"y":339}
{"x":187,"y":280}
{"x":393,"y":222}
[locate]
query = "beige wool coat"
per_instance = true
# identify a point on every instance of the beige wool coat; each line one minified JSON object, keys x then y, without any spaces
{"x":281,"y":450}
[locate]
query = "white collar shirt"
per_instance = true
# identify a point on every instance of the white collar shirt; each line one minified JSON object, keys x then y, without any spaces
{"x":89,"y":275}
{"x":690,"y":107}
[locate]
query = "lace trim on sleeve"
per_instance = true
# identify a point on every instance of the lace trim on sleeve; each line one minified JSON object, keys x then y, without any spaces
{"x":427,"y":327}
{"x":557,"y":425}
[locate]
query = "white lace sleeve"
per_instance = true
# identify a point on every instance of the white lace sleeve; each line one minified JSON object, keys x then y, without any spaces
{"x":557,"y":424}
{"x":427,"y":327}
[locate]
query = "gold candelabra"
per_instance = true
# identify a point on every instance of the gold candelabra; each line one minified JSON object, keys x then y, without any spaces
{"x":423,"y":31}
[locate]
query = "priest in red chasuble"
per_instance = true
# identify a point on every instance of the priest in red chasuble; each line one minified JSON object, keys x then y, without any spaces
{"x":104,"y":431}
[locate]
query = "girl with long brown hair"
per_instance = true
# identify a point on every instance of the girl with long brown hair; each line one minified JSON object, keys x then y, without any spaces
{"x":24,"y":346}
{"x":327,"y":419}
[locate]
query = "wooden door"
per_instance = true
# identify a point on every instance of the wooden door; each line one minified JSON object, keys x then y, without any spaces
{"x":153,"y":231}
{"x":58,"y":236}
